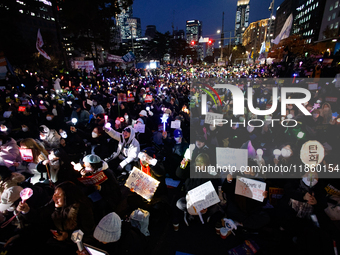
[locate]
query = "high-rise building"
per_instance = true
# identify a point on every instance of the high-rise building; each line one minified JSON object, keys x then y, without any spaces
{"x":241,"y":20}
{"x":193,"y":30}
{"x":150,"y":31}
{"x":121,"y":19}
{"x":307,"y":19}
{"x":330,"y":22}
{"x":256,"y":34}
{"x":179,"y":34}
{"x":134,"y":28}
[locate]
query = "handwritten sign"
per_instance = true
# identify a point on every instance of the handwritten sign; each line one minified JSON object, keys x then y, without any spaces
{"x":250,"y":188}
{"x":139,"y":128}
{"x":201,"y":197}
{"x":231,"y":158}
{"x":95,"y":179}
{"x":26,"y":155}
{"x":312,"y":152}
{"x":312,"y":86}
{"x":142,"y":184}
{"x":331,"y":99}
{"x":210,"y":117}
{"x":176,"y":124}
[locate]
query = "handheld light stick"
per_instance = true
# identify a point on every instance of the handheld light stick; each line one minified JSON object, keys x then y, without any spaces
{"x":105,"y":118}
{"x":315,"y":106}
{"x":285,"y":153}
{"x":77,"y":237}
{"x":186,"y":157}
{"x":277,"y":153}
{"x":74,"y":121}
{"x":164,"y":119}
{"x":259,"y":153}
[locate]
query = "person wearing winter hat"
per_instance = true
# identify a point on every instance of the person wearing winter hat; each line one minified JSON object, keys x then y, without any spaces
{"x":127,"y":151}
{"x":119,"y":237}
{"x":101,"y":185}
{"x":49,"y":137}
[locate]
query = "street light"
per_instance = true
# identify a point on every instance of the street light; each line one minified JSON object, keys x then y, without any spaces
{"x":218,"y":31}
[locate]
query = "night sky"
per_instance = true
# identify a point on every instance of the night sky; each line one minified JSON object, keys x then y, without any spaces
{"x":163,"y":13}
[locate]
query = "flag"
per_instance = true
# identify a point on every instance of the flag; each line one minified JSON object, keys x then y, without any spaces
{"x":174,"y":63}
{"x":129,"y":57}
{"x":186,"y":61}
{"x":285,"y":31}
{"x":263,"y":47}
{"x":39,"y":44}
{"x":230,"y":56}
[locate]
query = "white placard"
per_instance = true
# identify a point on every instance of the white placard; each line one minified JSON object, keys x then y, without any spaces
{"x":250,"y":188}
{"x":89,"y":102}
{"x":139,"y":127}
{"x":312,"y":153}
{"x":231,"y":158}
{"x":312,"y":86}
{"x":142,"y":184}
{"x":7,"y":114}
{"x":176,"y":124}
{"x":210,"y":117}
{"x":202,"y":197}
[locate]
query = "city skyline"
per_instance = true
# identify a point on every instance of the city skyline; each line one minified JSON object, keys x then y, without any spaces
{"x":178,"y":12}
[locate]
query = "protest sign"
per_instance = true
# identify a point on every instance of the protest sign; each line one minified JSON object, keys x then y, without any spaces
{"x":312,"y":86}
{"x":139,"y":128}
{"x":250,"y":188}
{"x":202,"y":197}
{"x":26,"y":155}
{"x":142,"y":184}
{"x":176,"y":124}
{"x":312,"y":153}
{"x":233,"y":158}
{"x":114,"y":58}
{"x":275,"y":194}
{"x":89,"y":102}
{"x":122,"y":97}
{"x":148,"y":99}
{"x":210,"y":117}
{"x":7,"y":114}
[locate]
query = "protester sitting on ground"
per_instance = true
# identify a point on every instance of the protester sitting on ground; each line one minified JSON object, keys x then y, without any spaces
{"x":127,"y":152}
{"x":54,"y":223}
{"x":9,"y":152}
{"x":247,"y":212}
{"x":49,"y":137}
{"x":38,"y":151}
{"x":101,"y":185}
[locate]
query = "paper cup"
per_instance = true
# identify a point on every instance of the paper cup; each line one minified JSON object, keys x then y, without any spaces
{"x":217,"y":231}
{"x":176,"y":227}
{"x":223,"y":233}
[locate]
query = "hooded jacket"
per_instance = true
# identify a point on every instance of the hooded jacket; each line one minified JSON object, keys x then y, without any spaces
{"x":9,"y":153}
{"x":52,"y":139}
{"x":126,"y":150}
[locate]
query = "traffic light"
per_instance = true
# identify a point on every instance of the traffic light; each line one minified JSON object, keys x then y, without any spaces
{"x":192,"y":43}
{"x":210,"y":41}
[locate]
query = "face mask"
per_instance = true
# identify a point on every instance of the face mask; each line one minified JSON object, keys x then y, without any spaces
{"x":49,"y":118}
{"x":94,"y":135}
{"x":306,"y":180}
{"x":290,"y":107}
{"x":24,"y":129}
{"x":117,"y":122}
{"x":212,"y":128}
{"x":315,"y":115}
{"x":42,"y":137}
{"x":177,"y":139}
{"x":95,"y":103}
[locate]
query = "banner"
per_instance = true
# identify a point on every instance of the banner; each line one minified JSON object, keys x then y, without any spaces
{"x":129,"y":57}
{"x":231,"y":158}
{"x":148,"y":99}
{"x":39,"y":44}
{"x":210,"y":117}
{"x":114,"y":58}
{"x":88,"y":65}
{"x":95,"y":179}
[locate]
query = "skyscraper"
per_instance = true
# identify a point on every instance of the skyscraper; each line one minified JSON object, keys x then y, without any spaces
{"x":193,"y":30}
{"x":125,"y":30}
{"x":241,"y":20}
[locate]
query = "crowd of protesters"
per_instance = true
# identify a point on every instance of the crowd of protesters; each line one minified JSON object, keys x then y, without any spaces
{"x":80,"y":125}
